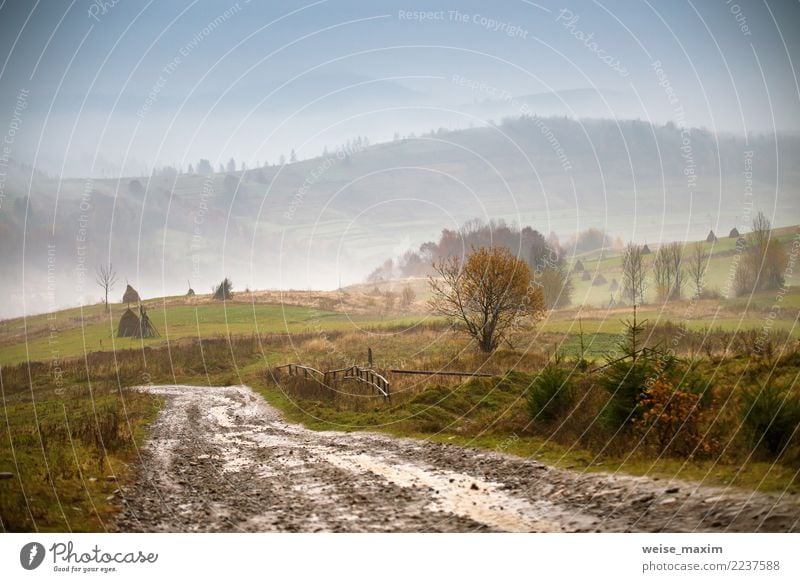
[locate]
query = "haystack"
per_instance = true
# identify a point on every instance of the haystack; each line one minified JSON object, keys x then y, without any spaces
{"x":599,"y":280}
{"x":578,"y":268}
{"x":130,"y":296}
{"x":734,"y":233}
{"x":147,"y":329}
{"x":129,"y":325}
{"x":646,"y":249}
{"x":190,"y":292}
{"x":711,"y":236}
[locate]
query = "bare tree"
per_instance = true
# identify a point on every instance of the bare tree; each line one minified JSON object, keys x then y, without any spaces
{"x":764,"y":264}
{"x":761,"y":232}
{"x":408,"y":295}
{"x":106,"y":278}
{"x":697,"y":267}
{"x":661,"y":273}
{"x":388,"y":301}
{"x":633,"y":273}
{"x":668,"y":271}
{"x":487,"y":295}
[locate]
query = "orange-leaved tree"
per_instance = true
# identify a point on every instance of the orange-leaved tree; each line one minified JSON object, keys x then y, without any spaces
{"x":486,"y":295}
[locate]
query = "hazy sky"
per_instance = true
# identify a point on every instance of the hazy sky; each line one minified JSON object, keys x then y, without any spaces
{"x":119,"y":87}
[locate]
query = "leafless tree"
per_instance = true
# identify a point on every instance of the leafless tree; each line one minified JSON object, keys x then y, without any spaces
{"x":668,"y":271}
{"x":697,"y":267}
{"x":633,"y":273}
{"x":761,"y":232}
{"x":106,"y":278}
{"x":408,"y":296}
{"x":764,"y":264}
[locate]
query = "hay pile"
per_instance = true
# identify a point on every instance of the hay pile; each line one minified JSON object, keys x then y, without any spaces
{"x":129,"y":325}
{"x":711,"y":237}
{"x":130,"y":296}
{"x":734,"y":233}
{"x":148,"y":330}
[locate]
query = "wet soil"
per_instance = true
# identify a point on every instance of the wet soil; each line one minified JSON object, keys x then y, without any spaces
{"x":222,"y":459}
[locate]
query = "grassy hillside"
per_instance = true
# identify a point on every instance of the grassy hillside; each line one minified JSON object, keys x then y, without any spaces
{"x":75,"y":332}
{"x":721,"y":267}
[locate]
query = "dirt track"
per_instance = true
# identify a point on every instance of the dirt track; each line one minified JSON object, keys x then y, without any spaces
{"x":221,"y":459}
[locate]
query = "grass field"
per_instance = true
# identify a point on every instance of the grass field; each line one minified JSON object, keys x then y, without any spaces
{"x":72,"y":427}
{"x":69,"y":449}
{"x":74,"y":448}
{"x":76,"y":332}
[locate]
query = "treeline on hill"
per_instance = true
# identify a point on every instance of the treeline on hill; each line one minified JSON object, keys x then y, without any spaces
{"x":544,"y":256}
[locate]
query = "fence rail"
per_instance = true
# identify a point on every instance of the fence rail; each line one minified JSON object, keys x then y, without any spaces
{"x":330,"y":377}
{"x":444,"y":373}
{"x":367,"y":375}
{"x":298,"y":369}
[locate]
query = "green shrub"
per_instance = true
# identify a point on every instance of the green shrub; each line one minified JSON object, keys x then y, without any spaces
{"x":772,"y":415}
{"x":625,"y":383}
{"x":551,"y":395}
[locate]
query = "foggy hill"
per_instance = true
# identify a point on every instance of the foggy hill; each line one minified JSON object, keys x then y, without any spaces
{"x":334,"y":218}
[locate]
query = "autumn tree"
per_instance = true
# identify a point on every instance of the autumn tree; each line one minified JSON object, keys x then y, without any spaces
{"x":486,"y":295}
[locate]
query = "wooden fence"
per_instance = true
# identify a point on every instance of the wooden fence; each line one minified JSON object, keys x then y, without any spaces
{"x":330,"y":377}
{"x":367,"y":375}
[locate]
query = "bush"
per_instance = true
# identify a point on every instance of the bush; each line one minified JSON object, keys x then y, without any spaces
{"x":673,"y":421}
{"x":626,"y":383}
{"x":551,"y":395}
{"x":772,"y":415}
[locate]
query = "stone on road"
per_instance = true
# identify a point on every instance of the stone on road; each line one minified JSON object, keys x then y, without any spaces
{"x":222,"y":459}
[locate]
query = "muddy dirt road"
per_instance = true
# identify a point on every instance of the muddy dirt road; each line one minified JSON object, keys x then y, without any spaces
{"x":221,"y":459}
